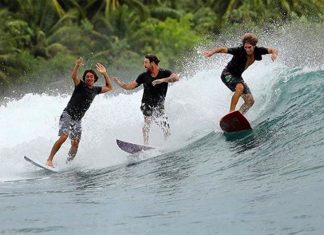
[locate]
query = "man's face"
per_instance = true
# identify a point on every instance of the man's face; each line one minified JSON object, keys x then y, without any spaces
{"x":89,"y":79}
{"x":249,"y":48}
{"x":147,"y":65}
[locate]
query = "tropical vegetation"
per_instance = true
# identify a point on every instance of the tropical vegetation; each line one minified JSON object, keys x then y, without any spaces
{"x":40,"y":39}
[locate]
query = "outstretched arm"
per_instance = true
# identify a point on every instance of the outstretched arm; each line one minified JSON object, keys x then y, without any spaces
{"x":172,"y":78}
{"x":108,"y":86}
{"x":273,"y":52}
{"x":215,"y":50}
{"x":78,"y":63}
{"x":127,"y":86}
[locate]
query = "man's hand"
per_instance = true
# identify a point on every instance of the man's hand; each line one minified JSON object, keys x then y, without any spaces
{"x":274,"y":56}
{"x":274,"y":53}
{"x":108,"y":86}
{"x":173,"y":78}
{"x":79,"y":61}
{"x":208,"y":53}
{"x":127,"y":86}
{"x":158,"y":81}
{"x":118,"y":81}
{"x":101,"y":69}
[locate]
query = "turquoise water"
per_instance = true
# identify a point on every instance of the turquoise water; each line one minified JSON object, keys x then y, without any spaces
{"x":267,"y":181}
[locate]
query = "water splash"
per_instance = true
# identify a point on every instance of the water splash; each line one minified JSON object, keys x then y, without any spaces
{"x":194,"y":105}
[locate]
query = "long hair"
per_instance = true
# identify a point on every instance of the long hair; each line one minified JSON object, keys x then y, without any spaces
{"x":90,"y":71}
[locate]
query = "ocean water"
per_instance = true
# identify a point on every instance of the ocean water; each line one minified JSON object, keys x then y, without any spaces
{"x":199,"y":181}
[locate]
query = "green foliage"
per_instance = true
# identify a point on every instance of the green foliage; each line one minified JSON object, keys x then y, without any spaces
{"x":206,"y":20}
{"x":162,"y":13}
{"x":13,"y":66}
{"x":41,"y":73}
{"x":41,"y":38}
{"x":265,"y":11}
{"x":169,"y":39}
{"x":20,"y":33}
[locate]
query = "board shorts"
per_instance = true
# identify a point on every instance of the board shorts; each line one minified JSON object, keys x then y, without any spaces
{"x":70,"y":126}
{"x":231,"y":81}
{"x":150,"y":110}
{"x":157,"y":112}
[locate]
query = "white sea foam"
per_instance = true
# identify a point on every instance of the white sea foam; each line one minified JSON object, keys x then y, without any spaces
{"x":194,"y":106}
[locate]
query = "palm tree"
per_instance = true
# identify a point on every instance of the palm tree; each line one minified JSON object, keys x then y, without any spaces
{"x":8,"y":51}
{"x":39,"y":18}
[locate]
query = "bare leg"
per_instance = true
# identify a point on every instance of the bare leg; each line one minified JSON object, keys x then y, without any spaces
{"x":57,"y":145}
{"x":164,"y":124}
{"x":238,"y":92}
{"x":146,"y":128}
{"x":248,"y":102}
{"x":73,"y":150}
{"x":166,"y":131}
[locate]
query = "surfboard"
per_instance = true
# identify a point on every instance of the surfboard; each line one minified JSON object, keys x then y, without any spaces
{"x":132,"y":148}
{"x":43,"y":166}
{"x":233,"y":122}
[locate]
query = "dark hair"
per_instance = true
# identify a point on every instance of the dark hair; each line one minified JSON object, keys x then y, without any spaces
{"x":90,"y":71}
{"x":250,"y":38}
{"x":152,"y":58}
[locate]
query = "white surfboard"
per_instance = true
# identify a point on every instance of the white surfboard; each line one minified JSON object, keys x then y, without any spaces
{"x":43,"y":166}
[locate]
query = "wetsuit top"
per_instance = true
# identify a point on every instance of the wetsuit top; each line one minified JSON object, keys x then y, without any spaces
{"x":81,"y":100}
{"x":237,"y":65}
{"x":153,"y":95}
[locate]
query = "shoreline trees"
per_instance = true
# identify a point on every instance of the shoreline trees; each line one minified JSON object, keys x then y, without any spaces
{"x":40,"y":38}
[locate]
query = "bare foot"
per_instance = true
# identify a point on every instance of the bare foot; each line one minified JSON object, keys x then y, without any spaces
{"x":49,"y":163}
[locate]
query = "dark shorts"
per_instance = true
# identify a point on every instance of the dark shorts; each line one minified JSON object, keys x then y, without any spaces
{"x":158,"y":114}
{"x":69,"y":126}
{"x":231,"y":81}
{"x":155,"y":111}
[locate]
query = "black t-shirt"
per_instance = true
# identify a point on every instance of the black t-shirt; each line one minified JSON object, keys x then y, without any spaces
{"x":153,"y":95}
{"x":81,"y":100}
{"x":237,"y":65}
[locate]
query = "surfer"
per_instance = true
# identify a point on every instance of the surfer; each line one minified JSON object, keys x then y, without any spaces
{"x":155,"y":81}
{"x":82,"y":97}
{"x":243,"y":57}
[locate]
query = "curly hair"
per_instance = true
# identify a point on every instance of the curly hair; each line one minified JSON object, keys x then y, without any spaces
{"x":250,"y":38}
{"x":90,"y":71}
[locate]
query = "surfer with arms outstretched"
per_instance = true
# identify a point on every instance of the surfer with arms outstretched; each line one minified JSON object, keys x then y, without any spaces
{"x":243,"y":57}
{"x":155,"y":81}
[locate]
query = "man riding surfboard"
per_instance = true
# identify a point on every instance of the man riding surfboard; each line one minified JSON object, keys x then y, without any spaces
{"x":243,"y":57}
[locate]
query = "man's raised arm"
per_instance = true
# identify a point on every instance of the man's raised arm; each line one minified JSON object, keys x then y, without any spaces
{"x":78,"y":63}
{"x":108,"y":85}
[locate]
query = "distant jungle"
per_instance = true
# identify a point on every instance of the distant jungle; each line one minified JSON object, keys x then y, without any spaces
{"x":40,"y":39}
